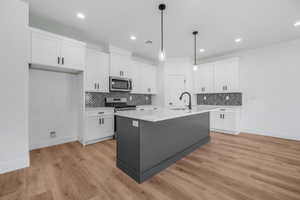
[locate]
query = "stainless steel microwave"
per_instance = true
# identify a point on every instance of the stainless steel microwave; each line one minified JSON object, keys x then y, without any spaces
{"x":120,"y":84}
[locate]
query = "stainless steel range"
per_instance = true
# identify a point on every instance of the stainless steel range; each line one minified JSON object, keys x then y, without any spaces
{"x":120,"y":104}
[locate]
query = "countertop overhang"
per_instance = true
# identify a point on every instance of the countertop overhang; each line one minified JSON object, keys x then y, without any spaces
{"x":162,"y":114}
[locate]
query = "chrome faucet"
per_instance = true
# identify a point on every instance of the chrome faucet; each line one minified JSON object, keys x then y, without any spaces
{"x":190,"y":98}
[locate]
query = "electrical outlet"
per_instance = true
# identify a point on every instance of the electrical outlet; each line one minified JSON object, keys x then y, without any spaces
{"x":135,"y":123}
{"x":130,"y":98}
{"x":52,"y":134}
{"x":227,"y":98}
{"x":204,"y":98}
{"x":147,"y":98}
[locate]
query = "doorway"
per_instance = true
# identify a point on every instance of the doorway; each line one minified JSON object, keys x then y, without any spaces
{"x":175,"y":85}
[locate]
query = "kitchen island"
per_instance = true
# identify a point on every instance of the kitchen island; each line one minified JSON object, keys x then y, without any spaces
{"x":151,"y":140}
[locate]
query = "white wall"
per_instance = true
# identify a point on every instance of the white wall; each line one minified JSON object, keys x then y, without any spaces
{"x":54,"y":104}
{"x":14,"y":51}
{"x":173,"y":66}
{"x":269,"y":81}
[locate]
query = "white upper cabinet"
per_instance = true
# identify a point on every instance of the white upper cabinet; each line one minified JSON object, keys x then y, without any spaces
{"x":52,"y":50}
{"x":218,"y":77}
{"x":73,"y":54}
{"x":143,"y":78}
{"x":97,"y":71}
{"x":136,"y":78}
{"x":120,"y":65}
{"x":204,"y":79}
{"x":227,"y":75}
{"x":149,"y":79}
{"x":45,"y":49}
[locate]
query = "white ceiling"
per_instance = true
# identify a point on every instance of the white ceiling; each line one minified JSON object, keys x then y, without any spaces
{"x":219,"y":22}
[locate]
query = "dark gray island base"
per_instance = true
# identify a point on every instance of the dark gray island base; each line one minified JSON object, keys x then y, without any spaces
{"x":145,"y":148}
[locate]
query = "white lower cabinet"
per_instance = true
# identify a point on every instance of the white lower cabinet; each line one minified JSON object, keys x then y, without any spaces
{"x":225,"y":120}
{"x":99,"y":126}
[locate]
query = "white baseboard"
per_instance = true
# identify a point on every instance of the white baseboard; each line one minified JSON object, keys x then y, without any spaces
{"x":225,"y":131}
{"x":52,"y":142}
{"x":96,"y":141}
{"x":11,"y":165}
{"x":271,"y":134}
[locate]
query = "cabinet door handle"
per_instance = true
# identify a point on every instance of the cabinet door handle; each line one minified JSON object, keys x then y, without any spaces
{"x":95,"y":86}
{"x":223,"y":116}
{"x":63,"y":60}
{"x":100,"y":121}
{"x":58,"y":60}
{"x":220,"y":116}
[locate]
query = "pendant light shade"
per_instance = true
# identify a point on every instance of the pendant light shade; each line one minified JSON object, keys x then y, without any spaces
{"x":195,"y":67}
{"x":162,"y":54}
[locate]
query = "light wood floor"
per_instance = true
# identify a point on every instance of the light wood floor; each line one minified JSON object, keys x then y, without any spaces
{"x":240,"y":167}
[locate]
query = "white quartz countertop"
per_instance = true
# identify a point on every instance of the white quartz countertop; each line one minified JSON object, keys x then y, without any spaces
{"x":165,"y":113}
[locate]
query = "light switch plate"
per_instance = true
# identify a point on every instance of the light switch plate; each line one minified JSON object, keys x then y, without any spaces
{"x":135,"y":123}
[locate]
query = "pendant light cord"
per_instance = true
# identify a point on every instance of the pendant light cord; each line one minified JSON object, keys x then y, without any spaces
{"x":195,"y":33}
{"x":162,"y":31}
{"x":195,"y":49}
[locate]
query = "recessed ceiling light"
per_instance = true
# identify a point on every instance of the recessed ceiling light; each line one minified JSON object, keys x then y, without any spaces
{"x":297,"y":24}
{"x":132,"y":37}
{"x":80,"y":16}
{"x":202,"y":50}
{"x":238,"y":40}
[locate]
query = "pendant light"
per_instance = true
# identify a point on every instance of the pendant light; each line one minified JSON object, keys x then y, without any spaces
{"x":162,"y":54}
{"x":195,"y":67}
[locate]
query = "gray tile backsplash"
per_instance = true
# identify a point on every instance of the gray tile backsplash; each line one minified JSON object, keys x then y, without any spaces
{"x":95,"y":99}
{"x":228,"y":99}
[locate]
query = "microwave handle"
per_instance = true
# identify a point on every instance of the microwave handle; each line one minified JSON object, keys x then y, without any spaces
{"x":130,"y":84}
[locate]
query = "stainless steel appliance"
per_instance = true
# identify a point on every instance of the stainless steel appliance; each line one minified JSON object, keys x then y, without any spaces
{"x":120,"y":104}
{"x":120,"y":84}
